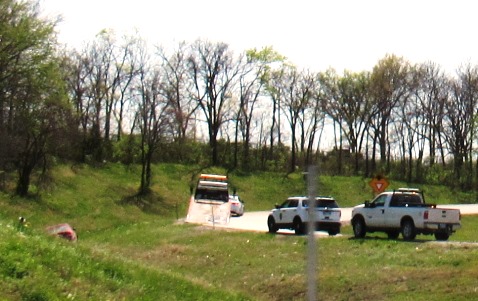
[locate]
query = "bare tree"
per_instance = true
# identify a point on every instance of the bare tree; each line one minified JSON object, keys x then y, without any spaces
{"x":432,"y":94}
{"x":250,"y":86}
{"x":275,"y":90}
{"x":213,"y":71}
{"x":331,"y":103}
{"x":125,"y":70}
{"x":252,"y":80}
{"x":106,"y":69}
{"x":176,"y":88}
{"x":460,"y":112}
{"x":152,"y":117}
{"x":297,"y":94}
{"x":77,"y":70}
{"x":410,"y":130}
{"x":313,"y":124}
{"x":308,"y":113}
{"x":349,"y":105}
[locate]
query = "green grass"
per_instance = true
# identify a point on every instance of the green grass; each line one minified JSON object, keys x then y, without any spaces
{"x":33,"y":267}
{"x":132,"y":249}
{"x":381,"y":269}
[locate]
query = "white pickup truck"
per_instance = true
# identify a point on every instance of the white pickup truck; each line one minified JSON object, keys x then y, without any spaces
{"x":294,"y":214}
{"x":404,"y":211}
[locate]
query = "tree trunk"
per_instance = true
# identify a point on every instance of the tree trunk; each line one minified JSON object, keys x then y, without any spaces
{"x":23,"y":183}
{"x":145,"y":174}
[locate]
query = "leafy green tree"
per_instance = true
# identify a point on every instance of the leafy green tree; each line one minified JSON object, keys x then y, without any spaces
{"x":252,"y":80}
{"x":390,"y":87}
{"x":33,"y":105}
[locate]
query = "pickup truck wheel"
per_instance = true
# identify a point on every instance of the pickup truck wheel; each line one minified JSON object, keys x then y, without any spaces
{"x":359,"y":227}
{"x":442,"y":236}
{"x":271,"y":224}
{"x":408,"y":230}
{"x":299,"y":226}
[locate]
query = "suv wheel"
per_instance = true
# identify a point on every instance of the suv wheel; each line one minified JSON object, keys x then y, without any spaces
{"x":299,"y":226}
{"x":271,"y":224}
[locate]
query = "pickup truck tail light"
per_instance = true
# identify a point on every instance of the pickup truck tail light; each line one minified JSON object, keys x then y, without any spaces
{"x":425,"y":214}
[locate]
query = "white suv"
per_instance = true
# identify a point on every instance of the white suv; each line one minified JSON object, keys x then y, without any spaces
{"x":294,"y":214}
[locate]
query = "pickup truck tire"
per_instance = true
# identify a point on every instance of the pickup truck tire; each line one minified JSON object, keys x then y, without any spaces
{"x":441,"y":236}
{"x":299,"y":226}
{"x":408,"y":229}
{"x":358,"y":225}
{"x":271,"y":224}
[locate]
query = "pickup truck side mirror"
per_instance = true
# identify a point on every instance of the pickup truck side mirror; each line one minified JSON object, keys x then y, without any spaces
{"x":369,"y":205}
{"x":277,"y":206}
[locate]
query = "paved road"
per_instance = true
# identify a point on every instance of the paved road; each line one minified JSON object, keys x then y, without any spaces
{"x":257,"y":220}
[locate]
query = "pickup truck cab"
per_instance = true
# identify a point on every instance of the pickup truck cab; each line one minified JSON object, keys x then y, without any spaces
{"x":404,"y":211}
{"x":293,"y":214}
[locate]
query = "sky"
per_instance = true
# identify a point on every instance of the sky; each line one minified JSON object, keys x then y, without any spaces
{"x":313,"y":34}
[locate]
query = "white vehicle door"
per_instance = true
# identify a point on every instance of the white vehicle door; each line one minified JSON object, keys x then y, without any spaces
{"x":375,"y":213}
{"x":288,"y":211}
{"x":401,"y":204}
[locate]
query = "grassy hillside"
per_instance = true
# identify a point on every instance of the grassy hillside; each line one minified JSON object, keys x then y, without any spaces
{"x":131,"y":249}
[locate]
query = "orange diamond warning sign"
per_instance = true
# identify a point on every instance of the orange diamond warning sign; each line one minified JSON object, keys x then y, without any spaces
{"x":378,"y":184}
